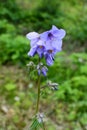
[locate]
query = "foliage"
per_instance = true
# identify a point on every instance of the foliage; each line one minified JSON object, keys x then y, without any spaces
{"x":69,"y":102}
{"x":6,"y":27}
{"x":13,"y":49}
{"x":55,"y":12}
{"x":46,"y":14}
{"x":10,"y":11}
{"x":71,"y":74}
{"x":76,"y":19}
{"x":36,"y":124}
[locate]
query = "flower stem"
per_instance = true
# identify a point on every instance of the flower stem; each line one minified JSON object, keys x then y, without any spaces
{"x":38,"y":98}
{"x":43,"y":126}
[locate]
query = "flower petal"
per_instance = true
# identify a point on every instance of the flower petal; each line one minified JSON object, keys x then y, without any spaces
{"x":48,"y":45}
{"x":44,"y":36}
{"x":40,"y":51}
{"x":54,"y":27}
{"x":39,"y":71}
{"x":49,"y":59}
{"x":60,"y":33}
{"x":32,"y":35}
{"x":34,"y":42}
{"x":41,"y":43}
{"x":32,"y":51}
{"x":44,"y":71}
{"x":57,"y":44}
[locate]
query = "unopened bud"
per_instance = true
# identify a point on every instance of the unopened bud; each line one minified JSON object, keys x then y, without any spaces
{"x":40,"y":117}
{"x":52,"y":86}
{"x":30,"y":64}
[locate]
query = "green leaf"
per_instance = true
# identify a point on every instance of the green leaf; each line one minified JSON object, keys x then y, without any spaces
{"x":35,"y":124}
{"x":10,"y":86}
{"x":84,"y":69}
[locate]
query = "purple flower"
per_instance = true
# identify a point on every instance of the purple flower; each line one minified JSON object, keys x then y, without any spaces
{"x":37,"y":45}
{"x":53,"y":43}
{"x":42,"y":69}
{"x":46,"y":44}
{"x":38,"y":48}
{"x":53,"y":33}
{"x":49,"y":56}
{"x":53,"y":38}
{"x":51,"y":50}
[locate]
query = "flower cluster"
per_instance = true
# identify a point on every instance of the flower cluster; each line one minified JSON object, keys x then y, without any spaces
{"x":40,"y":117}
{"x":46,"y":44}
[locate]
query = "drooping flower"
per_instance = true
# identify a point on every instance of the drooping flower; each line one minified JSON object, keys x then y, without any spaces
{"x":53,"y":43}
{"x":49,"y":56}
{"x":38,"y":48}
{"x":53,"y":38}
{"x":42,"y":69}
{"x":37,"y":45}
{"x":52,"y":48}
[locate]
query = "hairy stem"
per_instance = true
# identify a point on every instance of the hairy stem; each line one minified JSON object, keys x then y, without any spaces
{"x":38,"y":98}
{"x":43,"y":126}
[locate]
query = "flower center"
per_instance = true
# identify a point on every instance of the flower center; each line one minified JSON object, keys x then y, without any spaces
{"x":40,"y":46}
{"x":50,"y":35}
{"x":50,"y":51}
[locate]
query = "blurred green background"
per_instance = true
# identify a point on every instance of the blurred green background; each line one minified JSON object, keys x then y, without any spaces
{"x":66,"y":109}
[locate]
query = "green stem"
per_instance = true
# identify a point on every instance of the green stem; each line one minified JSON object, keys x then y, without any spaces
{"x":38,"y":98}
{"x":43,"y":126}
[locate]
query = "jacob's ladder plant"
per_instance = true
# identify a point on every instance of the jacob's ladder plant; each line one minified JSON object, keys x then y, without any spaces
{"x":45,"y":45}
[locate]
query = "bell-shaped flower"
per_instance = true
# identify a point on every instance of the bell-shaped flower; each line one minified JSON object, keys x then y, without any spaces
{"x":53,"y":38}
{"x":42,"y":69}
{"x":53,"y":33}
{"x":38,"y":48}
{"x":37,"y":45}
{"x":49,"y":56}
{"x":52,"y":48}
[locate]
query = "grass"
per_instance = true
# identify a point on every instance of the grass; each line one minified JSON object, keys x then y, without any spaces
{"x":27,"y":4}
